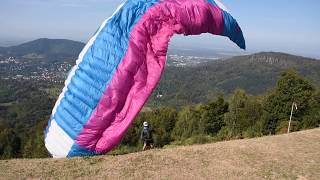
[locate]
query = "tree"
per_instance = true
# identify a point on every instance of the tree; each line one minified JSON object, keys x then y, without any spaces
{"x":35,"y":147}
{"x":9,"y":144}
{"x":312,"y":118}
{"x":244,"y":113}
{"x":233,"y":119}
{"x":162,"y":123}
{"x":187,"y":124}
{"x":211,"y":116}
{"x":290,"y":88}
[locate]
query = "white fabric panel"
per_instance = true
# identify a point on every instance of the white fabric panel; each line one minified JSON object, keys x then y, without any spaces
{"x":223,"y":7}
{"x":57,"y":141}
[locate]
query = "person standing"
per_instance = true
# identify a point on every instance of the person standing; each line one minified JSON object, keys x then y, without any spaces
{"x":146,"y":137}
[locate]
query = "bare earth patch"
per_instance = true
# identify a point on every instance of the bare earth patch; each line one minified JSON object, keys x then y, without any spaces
{"x":294,"y":156}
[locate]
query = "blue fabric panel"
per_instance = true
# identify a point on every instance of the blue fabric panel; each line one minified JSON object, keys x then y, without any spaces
{"x":232,"y":30}
{"x":79,"y":151}
{"x":96,"y":70}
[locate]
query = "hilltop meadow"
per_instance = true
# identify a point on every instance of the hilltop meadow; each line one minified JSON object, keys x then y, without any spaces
{"x":293,"y":156}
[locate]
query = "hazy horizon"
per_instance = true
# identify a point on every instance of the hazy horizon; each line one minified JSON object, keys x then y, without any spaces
{"x":289,"y":26}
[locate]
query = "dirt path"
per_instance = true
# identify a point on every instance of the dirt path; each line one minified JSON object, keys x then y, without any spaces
{"x":294,"y":156}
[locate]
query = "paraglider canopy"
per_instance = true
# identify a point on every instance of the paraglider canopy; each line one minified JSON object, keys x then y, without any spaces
{"x":120,"y":67}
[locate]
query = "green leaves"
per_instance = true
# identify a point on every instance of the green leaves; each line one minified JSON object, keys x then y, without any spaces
{"x":211,"y":116}
{"x":9,"y":144}
{"x":290,"y":88}
{"x":244,"y":113}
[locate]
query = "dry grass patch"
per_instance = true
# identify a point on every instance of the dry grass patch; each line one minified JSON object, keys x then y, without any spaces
{"x":294,"y":156}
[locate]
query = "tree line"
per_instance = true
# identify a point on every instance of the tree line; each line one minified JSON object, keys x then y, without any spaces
{"x":239,"y":116}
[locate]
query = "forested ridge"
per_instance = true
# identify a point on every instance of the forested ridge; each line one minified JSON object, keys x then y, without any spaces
{"x":255,"y":73}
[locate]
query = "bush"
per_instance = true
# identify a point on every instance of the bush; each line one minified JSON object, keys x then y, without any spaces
{"x":282,"y":128}
{"x":311,"y":121}
{"x":252,"y":132}
{"x":225,"y":134}
{"x":198,"y":139}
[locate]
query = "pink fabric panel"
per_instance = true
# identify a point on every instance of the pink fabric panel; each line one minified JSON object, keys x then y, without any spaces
{"x":142,"y":67}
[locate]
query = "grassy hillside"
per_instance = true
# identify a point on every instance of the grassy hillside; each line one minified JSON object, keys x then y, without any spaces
{"x":294,"y":156}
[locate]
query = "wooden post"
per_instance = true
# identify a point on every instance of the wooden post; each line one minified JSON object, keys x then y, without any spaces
{"x":293,"y":105}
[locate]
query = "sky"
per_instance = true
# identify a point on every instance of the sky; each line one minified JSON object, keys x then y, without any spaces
{"x":291,"y":26}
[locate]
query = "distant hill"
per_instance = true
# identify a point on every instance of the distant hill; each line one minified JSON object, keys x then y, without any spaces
{"x":190,"y":76}
{"x":44,"y":48}
{"x":293,"y":156}
{"x":255,"y":73}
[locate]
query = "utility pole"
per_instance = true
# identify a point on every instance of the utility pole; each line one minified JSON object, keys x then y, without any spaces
{"x":294,"y":105}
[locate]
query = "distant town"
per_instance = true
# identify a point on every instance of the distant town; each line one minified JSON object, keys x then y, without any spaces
{"x":16,"y":69}
{"x":38,"y":69}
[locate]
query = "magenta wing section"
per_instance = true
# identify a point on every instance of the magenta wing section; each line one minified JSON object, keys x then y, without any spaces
{"x":141,"y":68}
